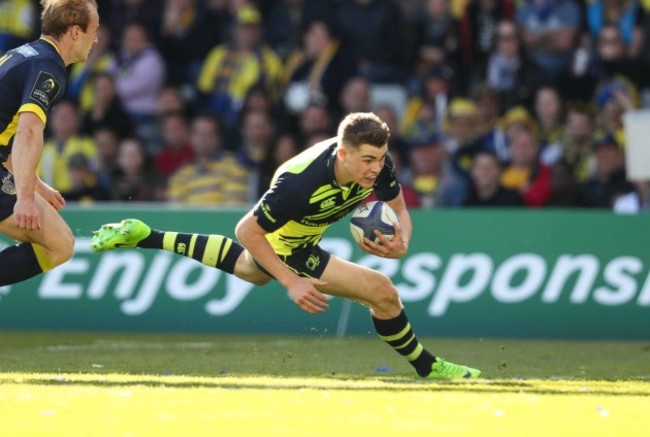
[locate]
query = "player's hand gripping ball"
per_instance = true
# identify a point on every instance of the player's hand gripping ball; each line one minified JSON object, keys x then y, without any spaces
{"x":370,"y":216}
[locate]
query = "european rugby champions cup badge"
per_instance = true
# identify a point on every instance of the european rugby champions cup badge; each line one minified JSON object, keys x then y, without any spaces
{"x":46,"y":89}
{"x":8,"y":186}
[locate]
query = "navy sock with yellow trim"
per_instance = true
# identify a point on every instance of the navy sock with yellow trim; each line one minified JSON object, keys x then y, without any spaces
{"x":212,"y":250}
{"x":19,"y":262}
{"x":398,"y":334}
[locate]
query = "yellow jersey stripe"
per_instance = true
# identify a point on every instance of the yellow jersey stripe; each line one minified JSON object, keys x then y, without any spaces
{"x":32,"y":107}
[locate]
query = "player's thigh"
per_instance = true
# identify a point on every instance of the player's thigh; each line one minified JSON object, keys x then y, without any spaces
{"x":54,"y":235}
{"x":246,"y":269}
{"x":359,"y":283}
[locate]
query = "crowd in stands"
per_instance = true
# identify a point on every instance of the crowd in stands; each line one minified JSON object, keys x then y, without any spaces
{"x":491,"y":103}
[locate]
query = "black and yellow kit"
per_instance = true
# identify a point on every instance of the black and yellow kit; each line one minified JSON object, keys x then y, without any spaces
{"x":305,"y":199}
{"x":32,"y":79}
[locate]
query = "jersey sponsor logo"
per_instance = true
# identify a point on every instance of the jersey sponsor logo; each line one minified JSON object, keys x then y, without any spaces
{"x":312,"y":262}
{"x":8,"y":186}
{"x":46,"y":89}
{"x":328,"y":203}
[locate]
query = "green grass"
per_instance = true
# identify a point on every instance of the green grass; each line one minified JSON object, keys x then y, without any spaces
{"x":162,"y":384}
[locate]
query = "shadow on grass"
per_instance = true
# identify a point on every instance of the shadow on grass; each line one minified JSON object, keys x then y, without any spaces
{"x":342,"y":383}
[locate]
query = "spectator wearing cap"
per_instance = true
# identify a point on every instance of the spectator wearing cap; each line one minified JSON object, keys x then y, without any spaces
{"x":462,"y":142}
{"x":487,"y":189}
{"x":426,"y":156}
{"x":231,"y":69}
{"x":525,"y":173}
{"x":614,"y":98}
{"x":609,"y":182}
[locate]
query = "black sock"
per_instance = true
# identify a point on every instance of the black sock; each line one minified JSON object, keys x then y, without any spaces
{"x":398,"y":334}
{"x":212,"y":250}
{"x":19,"y":262}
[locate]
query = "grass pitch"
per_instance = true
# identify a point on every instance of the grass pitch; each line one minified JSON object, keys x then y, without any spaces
{"x":134,"y":384}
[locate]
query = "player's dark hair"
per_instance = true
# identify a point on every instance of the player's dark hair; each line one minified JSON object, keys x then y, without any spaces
{"x":360,"y":128}
{"x":59,"y":15}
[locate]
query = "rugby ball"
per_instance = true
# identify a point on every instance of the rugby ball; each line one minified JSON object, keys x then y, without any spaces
{"x":370,"y":216}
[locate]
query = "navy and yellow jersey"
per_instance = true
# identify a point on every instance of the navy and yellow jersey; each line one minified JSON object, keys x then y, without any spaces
{"x":32,"y":79}
{"x":305,"y":198}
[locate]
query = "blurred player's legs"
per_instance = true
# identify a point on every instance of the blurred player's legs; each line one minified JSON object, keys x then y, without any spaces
{"x":38,"y":250}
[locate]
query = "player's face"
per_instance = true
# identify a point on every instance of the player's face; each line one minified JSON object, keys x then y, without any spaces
{"x":87,"y":39}
{"x":364,"y":164}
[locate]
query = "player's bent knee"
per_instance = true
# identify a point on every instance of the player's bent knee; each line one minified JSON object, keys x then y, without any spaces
{"x":385,"y":296}
{"x":63,"y":250}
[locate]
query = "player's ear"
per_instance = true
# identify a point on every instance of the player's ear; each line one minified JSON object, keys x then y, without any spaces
{"x":341,"y":153}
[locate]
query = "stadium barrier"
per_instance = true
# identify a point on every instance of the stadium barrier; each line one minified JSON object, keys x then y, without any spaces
{"x":468,"y":273}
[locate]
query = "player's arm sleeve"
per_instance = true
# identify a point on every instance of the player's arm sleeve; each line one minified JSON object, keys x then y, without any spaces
{"x":387,"y":186}
{"x":43,"y":86}
{"x":281,"y":203}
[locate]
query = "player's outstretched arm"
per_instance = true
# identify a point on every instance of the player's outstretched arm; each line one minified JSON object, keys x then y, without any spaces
{"x":302,"y":290}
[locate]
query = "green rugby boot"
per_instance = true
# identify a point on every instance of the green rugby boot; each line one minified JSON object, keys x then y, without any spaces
{"x":442,"y":369}
{"x":123,"y":235}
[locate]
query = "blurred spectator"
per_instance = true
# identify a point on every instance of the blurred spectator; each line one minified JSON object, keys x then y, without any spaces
{"x":426,"y":156}
{"x":437,"y":40}
{"x":100,"y":60}
{"x":140,"y":79}
{"x":108,"y":143}
{"x":121,"y":13}
{"x":107,"y":110}
{"x":214,"y":177}
{"x":426,"y":109}
{"x":576,"y":146}
{"x":285,"y":20}
{"x":65,"y":140}
{"x":397,"y":144}
{"x":17,"y":23}
{"x":318,"y":71}
{"x":625,"y":15}
{"x":462,"y":142}
{"x":171,"y":101}
{"x":549,"y":113}
{"x":187,"y":34}
{"x":608,"y":62}
{"x":565,"y":192}
{"x":478,"y":30}
{"x":257,"y":135}
{"x":314,"y":120}
{"x":614,"y":98}
{"x":355,"y":96}
{"x":138,"y":180}
{"x":549,"y":30}
{"x":487,"y":190}
{"x":491,"y":135}
{"x":509,"y":71}
{"x":516,"y":120}
{"x":230,"y":70}
{"x":525,"y":173}
{"x":371,"y":29}
{"x":176,"y":149}
{"x":609,"y":183}
{"x":85,"y":186}
{"x":283,"y":148}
